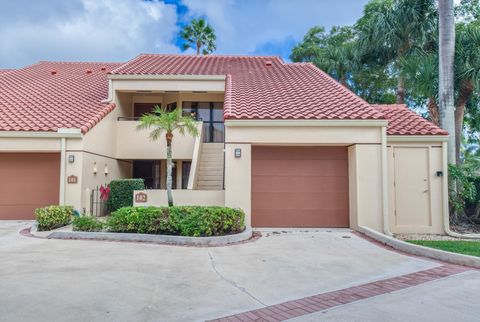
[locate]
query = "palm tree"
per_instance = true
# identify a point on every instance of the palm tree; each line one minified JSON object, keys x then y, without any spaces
{"x":389,"y":30}
{"x":467,"y":74}
{"x":446,"y":50}
{"x":200,"y":35}
{"x":162,"y":121}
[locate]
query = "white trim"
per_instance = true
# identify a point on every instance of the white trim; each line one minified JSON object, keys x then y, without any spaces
{"x":110,"y":93}
{"x":167,"y":77}
{"x":63,"y":145}
{"x":291,"y":122}
{"x":61,"y":133}
{"x":417,"y":138}
{"x":385,"y":210}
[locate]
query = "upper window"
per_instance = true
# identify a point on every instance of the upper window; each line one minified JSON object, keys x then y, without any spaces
{"x":211,"y":114}
{"x":139,"y":109}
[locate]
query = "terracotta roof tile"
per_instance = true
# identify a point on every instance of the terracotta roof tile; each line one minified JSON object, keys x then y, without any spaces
{"x":5,"y":70}
{"x":403,"y":121}
{"x":52,"y":95}
{"x":256,"y":89}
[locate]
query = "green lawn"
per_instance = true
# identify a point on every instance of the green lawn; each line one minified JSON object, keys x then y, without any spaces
{"x":455,"y":246}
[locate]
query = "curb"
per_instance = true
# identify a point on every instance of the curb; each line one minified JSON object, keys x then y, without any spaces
{"x":437,"y":254}
{"x":160,"y":239}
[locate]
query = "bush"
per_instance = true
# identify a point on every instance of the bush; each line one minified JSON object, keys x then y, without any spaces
{"x":143,"y":220}
{"x":121,"y":192}
{"x":87,"y":223}
{"x":178,"y":220}
{"x":52,"y":217}
{"x":462,"y":189}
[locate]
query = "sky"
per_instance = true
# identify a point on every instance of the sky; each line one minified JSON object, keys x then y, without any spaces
{"x":119,"y":30}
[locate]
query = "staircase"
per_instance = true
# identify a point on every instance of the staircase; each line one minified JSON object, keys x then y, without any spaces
{"x":210,"y":170}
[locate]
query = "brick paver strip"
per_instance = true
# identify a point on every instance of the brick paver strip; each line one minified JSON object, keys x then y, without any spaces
{"x":320,"y":302}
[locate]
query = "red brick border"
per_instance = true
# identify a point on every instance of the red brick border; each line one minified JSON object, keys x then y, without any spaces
{"x":320,"y":302}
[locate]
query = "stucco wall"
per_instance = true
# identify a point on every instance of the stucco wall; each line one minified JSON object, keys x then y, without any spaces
{"x":183,"y":197}
{"x":365,"y":185}
{"x":238,"y":179}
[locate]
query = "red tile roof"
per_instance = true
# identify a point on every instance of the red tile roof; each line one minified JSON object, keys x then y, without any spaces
{"x":4,"y":70}
{"x":262,"y":87}
{"x":52,"y":95}
{"x":404,"y":121}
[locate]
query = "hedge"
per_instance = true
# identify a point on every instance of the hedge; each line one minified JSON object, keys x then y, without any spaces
{"x":52,"y":217}
{"x":121,"y":192}
{"x":87,"y":223}
{"x":178,"y":220}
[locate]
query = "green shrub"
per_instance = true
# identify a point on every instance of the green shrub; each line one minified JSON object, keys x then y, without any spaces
{"x":143,"y":220}
{"x":178,"y":220}
{"x":121,"y":192}
{"x":87,"y":223}
{"x":52,"y":217}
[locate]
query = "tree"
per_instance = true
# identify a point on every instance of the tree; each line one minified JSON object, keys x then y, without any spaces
{"x":467,"y":75}
{"x":199,"y":35}
{"x":390,"y":29}
{"x":337,"y":53}
{"x":162,"y":121}
{"x":446,"y":49}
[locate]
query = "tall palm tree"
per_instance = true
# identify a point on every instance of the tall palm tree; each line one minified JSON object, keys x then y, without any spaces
{"x":446,"y":50}
{"x":199,"y":35}
{"x":162,"y":121}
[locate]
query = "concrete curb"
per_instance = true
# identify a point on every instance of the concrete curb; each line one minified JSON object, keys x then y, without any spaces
{"x":160,"y":239}
{"x":418,"y":250}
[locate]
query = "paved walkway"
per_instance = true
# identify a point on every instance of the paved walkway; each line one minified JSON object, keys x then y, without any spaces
{"x":73,"y":280}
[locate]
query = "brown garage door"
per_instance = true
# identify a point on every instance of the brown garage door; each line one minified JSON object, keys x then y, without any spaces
{"x":299,"y":186}
{"x":27,"y":181}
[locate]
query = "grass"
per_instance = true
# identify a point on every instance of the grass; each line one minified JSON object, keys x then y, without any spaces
{"x":455,"y":246}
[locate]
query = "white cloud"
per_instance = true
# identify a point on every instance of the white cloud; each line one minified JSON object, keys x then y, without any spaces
{"x":99,"y":30}
{"x":243,"y":26}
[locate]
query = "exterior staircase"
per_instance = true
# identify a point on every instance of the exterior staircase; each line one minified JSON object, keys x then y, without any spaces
{"x":210,"y":171}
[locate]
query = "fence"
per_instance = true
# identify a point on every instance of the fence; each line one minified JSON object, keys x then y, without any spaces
{"x":98,"y":206}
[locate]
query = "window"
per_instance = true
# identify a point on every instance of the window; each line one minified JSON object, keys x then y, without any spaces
{"x":148,"y":170}
{"x":186,"y":165}
{"x":140,"y":109}
{"x":211,"y":113}
{"x":171,"y":106}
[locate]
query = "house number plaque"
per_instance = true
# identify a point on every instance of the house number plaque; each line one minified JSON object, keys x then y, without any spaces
{"x":72,"y":179}
{"x":141,"y":197}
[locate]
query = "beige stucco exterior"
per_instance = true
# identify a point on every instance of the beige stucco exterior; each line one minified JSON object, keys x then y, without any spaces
{"x":183,"y":197}
{"x":379,"y":166}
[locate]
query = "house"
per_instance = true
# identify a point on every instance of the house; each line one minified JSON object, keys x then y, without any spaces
{"x":283,"y":141}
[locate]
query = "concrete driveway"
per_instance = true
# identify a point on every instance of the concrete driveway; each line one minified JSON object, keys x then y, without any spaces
{"x":56,"y":280}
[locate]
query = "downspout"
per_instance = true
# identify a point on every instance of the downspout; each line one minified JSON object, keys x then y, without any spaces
{"x":63,"y":142}
{"x":446,"y":215}
{"x":386,"y":223}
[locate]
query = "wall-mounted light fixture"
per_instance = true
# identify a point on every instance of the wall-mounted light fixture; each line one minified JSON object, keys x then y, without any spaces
{"x":95,"y":168}
{"x":238,"y":153}
{"x":106,"y":169}
{"x":71,"y":158}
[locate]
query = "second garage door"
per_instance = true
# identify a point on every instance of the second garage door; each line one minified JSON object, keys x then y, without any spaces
{"x":299,"y":186}
{"x":28,"y":181}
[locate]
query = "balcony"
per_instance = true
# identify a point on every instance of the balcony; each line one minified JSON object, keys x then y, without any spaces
{"x":136,"y":144}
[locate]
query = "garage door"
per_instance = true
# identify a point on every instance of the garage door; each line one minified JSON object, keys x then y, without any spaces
{"x":27,"y":181}
{"x":299,"y":186}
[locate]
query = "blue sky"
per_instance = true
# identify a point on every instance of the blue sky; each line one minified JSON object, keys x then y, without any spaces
{"x":118,"y":30}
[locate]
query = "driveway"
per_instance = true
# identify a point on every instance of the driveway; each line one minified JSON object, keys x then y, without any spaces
{"x":72,"y":280}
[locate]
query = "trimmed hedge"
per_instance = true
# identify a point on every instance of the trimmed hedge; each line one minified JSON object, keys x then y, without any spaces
{"x":193,"y":221}
{"x":121,"y":192}
{"x":87,"y":223}
{"x":52,"y":217}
